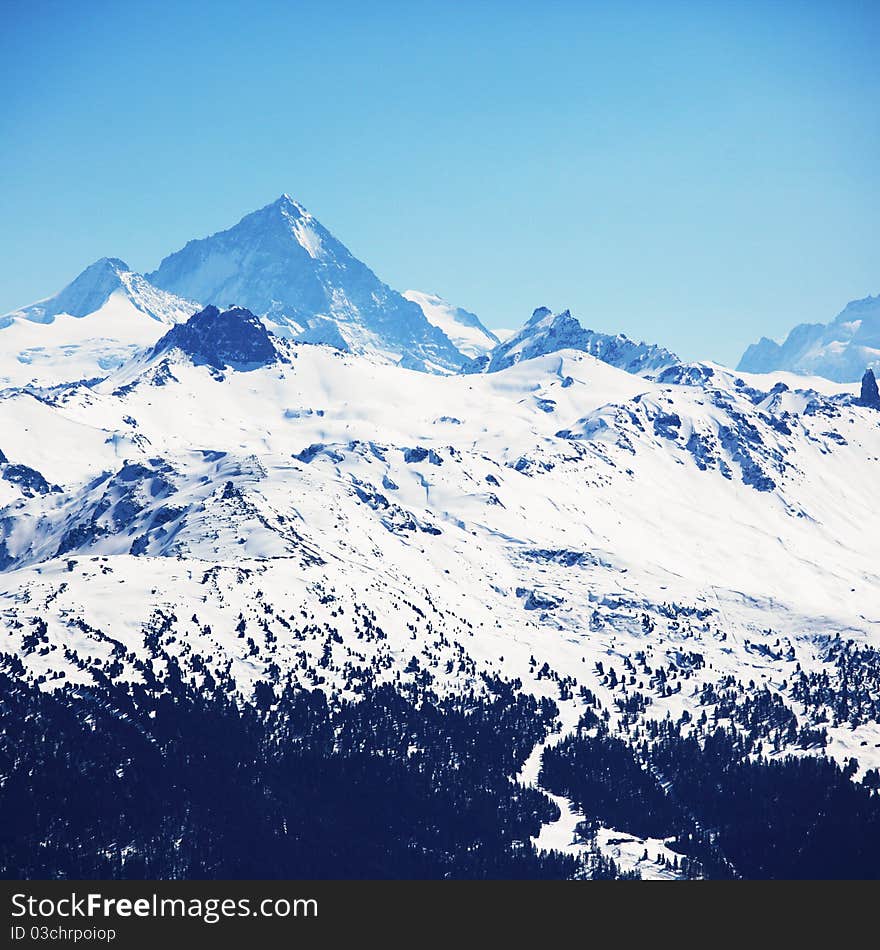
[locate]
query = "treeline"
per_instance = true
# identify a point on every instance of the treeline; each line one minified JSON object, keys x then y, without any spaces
{"x":851,"y":694}
{"x":118,"y":781}
{"x":730,"y":814}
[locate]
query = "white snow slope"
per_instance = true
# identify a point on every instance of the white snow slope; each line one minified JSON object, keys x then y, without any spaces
{"x":461,"y":326}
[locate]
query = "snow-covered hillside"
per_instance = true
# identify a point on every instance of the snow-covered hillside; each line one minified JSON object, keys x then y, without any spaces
{"x":653,"y":557}
{"x":560,"y":512}
{"x":840,"y":350}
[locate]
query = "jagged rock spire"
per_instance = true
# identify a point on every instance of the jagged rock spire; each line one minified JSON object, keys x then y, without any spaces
{"x":870,"y":395}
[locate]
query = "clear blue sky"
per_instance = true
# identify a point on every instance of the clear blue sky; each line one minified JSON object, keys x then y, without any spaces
{"x":694,"y":173}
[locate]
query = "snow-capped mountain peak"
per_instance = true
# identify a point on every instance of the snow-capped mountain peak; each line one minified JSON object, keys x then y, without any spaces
{"x":82,"y":296}
{"x":88,"y":328}
{"x":281,"y":263}
{"x":299,"y":223}
{"x":88,"y":293}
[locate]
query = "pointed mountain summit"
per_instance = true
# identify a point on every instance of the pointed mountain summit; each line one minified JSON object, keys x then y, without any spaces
{"x":93,"y":288}
{"x":84,"y":295}
{"x":91,"y":327}
{"x":281,"y":263}
{"x":548,"y":333}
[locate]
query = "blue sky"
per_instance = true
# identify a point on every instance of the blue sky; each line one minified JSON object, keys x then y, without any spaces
{"x":694,"y":173}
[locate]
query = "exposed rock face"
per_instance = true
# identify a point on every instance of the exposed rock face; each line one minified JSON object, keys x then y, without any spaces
{"x":870,"y":395}
{"x":230,"y":338}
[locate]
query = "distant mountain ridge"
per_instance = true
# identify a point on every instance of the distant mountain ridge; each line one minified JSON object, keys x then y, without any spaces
{"x":281,"y":264}
{"x":546,"y":332}
{"x":840,"y":350}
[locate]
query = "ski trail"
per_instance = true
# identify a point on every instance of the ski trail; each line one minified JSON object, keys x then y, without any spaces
{"x":558,"y":835}
{"x":561,"y":835}
{"x":728,"y":626}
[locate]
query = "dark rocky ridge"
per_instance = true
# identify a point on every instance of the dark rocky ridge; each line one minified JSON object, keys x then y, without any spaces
{"x":231,"y":338}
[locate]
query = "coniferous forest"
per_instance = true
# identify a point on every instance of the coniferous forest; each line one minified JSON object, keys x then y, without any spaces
{"x":117,"y":782}
{"x":731,"y":814}
{"x":168,"y":781}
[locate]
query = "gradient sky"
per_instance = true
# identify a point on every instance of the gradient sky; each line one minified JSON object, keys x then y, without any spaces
{"x":694,"y":173}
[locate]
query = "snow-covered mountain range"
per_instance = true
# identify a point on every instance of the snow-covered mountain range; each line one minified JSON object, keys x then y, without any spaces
{"x":840,"y":350}
{"x":648,"y":546}
{"x":285,"y":267}
{"x":546,"y":332}
{"x":280,"y":262}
